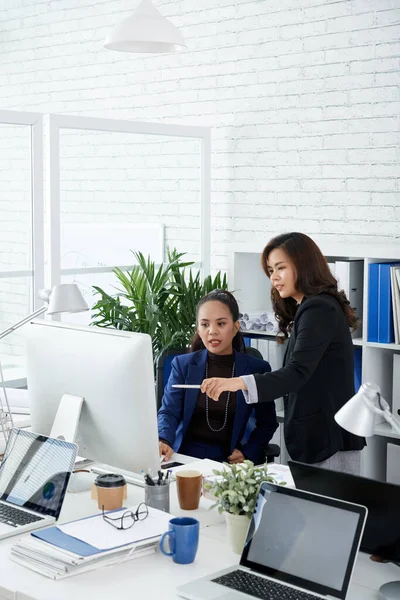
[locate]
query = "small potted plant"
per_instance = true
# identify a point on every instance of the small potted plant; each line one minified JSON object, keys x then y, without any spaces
{"x":235,"y":489}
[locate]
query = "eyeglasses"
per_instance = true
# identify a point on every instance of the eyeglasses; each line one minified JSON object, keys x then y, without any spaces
{"x":128,"y":518}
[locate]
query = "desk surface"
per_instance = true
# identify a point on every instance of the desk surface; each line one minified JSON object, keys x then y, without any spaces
{"x":19,"y":583}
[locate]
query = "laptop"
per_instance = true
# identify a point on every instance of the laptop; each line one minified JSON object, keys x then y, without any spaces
{"x":34,"y":475}
{"x":299,"y":546}
{"x":382,"y":529}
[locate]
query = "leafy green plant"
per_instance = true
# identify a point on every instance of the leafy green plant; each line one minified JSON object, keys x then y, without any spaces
{"x":236,"y":487}
{"x":160,"y":301}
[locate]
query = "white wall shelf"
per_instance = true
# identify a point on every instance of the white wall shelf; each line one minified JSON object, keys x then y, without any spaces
{"x":383,"y":346}
{"x":252,"y":289}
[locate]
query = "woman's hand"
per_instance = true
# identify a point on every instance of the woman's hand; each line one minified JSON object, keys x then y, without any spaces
{"x":165,"y":450}
{"x":214,"y":386}
{"x":236,"y":457}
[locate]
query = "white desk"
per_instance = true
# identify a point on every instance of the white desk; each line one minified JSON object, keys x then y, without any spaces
{"x":154,"y":576}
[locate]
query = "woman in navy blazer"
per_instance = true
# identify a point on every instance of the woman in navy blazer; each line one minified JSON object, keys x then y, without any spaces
{"x":187,"y":422}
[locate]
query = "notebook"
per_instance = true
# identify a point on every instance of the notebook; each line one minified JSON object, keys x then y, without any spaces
{"x":299,"y":546}
{"x":34,"y":476}
{"x":382,"y":529}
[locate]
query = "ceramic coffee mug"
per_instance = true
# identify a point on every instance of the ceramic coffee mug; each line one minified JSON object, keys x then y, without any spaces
{"x":188,"y":486}
{"x":183,"y":539}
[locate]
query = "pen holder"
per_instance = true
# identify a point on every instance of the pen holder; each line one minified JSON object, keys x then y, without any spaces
{"x":157,"y":496}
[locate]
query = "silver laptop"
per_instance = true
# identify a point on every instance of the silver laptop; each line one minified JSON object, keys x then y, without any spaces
{"x":34,"y":475}
{"x":299,"y":546}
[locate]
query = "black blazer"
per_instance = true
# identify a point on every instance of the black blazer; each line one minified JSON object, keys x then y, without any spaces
{"x":316,"y":380}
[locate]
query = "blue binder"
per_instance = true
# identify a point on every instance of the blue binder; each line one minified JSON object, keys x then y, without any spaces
{"x":373,"y":312}
{"x":357,"y":368}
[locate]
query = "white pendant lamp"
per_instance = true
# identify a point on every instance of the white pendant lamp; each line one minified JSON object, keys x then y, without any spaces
{"x":145,"y":30}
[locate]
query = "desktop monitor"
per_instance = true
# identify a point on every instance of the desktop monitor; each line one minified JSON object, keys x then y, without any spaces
{"x":382,"y":529}
{"x":113,"y":372}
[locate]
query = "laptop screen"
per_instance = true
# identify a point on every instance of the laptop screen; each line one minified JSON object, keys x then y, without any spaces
{"x":304,"y":539}
{"x":35,"y":471}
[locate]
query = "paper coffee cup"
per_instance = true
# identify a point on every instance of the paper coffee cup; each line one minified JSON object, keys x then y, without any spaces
{"x":111,"y":489}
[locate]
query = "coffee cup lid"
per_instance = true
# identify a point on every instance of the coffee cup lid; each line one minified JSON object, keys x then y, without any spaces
{"x":110,"y":480}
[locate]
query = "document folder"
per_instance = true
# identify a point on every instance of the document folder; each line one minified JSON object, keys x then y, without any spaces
{"x":56,"y":537}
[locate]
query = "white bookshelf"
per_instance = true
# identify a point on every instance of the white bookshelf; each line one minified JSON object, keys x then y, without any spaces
{"x":252,"y":290}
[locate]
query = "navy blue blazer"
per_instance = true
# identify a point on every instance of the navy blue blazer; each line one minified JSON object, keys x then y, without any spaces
{"x":178,"y":405}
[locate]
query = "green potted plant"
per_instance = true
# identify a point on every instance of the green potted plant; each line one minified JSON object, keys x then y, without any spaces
{"x":235,"y":489}
{"x":160,"y":301}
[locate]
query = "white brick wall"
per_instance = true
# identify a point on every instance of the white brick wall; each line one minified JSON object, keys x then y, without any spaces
{"x":302,"y":95}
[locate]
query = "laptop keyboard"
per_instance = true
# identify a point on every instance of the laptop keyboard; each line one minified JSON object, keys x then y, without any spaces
{"x":245,"y":582}
{"x":16,"y":517}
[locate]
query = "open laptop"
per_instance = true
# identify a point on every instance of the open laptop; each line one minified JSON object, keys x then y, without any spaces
{"x":34,"y":476}
{"x":382,"y":529}
{"x":299,"y":546}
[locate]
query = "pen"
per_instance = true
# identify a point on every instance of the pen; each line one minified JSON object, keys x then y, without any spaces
{"x":160,"y":478}
{"x":186,"y":386}
{"x":149,"y":480}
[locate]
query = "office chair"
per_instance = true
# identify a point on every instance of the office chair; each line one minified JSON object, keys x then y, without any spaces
{"x":253,"y":352}
{"x":163,"y":370}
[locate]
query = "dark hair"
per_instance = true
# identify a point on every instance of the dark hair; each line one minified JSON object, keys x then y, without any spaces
{"x":229,"y":300}
{"x":313,"y":277}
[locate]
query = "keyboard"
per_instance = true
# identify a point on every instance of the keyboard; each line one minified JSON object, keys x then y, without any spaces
{"x":15,"y":517}
{"x":245,"y":582}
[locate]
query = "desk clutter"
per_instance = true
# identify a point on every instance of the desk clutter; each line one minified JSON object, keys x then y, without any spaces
{"x":93,"y":542}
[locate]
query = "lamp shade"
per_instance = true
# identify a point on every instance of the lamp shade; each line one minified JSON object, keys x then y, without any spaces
{"x":145,"y":30}
{"x":66,"y":298}
{"x":357,"y":415}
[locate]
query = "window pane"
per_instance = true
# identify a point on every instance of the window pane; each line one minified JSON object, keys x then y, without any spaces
{"x":15,"y":303}
{"x":15,"y":241}
{"x":15,"y":198}
{"x":121,"y":178}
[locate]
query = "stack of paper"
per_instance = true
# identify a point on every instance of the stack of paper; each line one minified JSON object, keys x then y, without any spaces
{"x":87,"y":544}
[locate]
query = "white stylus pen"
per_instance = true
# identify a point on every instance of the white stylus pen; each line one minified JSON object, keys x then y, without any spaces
{"x":186,"y":385}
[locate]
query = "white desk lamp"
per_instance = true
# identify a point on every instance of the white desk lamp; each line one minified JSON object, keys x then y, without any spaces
{"x":64,"y":298}
{"x":358,"y":416}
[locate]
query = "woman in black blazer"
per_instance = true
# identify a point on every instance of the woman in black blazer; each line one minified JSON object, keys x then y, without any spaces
{"x":317,"y":377}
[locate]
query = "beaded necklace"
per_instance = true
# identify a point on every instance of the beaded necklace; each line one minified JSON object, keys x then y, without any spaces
{"x":226,"y":405}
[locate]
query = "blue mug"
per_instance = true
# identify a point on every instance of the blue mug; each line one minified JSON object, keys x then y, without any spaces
{"x":183,"y":540}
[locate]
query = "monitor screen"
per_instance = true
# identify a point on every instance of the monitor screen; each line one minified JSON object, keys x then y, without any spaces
{"x":113,"y":371}
{"x":382,"y":530}
{"x":304,"y":539}
{"x":35,"y":471}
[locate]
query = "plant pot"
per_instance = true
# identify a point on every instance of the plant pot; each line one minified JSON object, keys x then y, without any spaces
{"x":237,"y":530}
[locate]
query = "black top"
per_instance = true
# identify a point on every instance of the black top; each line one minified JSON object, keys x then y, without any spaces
{"x":317,"y":379}
{"x":199,"y":431}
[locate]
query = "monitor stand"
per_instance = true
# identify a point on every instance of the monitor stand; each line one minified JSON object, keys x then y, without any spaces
{"x":66,"y":421}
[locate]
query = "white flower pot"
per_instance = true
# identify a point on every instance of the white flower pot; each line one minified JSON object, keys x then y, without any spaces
{"x":237,"y":530}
